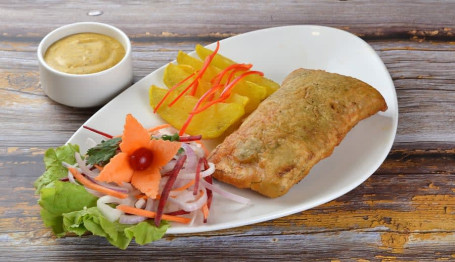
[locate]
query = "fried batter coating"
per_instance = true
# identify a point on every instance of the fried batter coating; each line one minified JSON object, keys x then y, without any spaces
{"x":292,"y":130}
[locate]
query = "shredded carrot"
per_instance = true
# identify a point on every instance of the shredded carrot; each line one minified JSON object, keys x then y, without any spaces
{"x":141,"y":196}
{"x":170,"y":90}
{"x":150,"y":214}
{"x":94,"y":186}
{"x":156,"y":128}
{"x":98,"y":167}
{"x":187,"y":185}
{"x":205,"y":211}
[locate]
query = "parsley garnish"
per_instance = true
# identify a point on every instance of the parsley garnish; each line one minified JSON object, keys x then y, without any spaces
{"x":103,"y":152}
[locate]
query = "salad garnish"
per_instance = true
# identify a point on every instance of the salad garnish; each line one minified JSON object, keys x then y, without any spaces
{"x":128,"y":186}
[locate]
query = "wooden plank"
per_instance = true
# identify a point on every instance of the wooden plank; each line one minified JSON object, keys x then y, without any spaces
{"x":163,"y":19}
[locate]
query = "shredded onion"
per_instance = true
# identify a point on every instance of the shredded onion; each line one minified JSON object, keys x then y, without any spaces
{"x":224,"y":193}
{"x":89,"y":142}
{"x":169,"y":166}
{"x":110,"y":213}
{"x":85,"y":169}
{"x":191,"y":160}
{"x":94,"y":192}
{"x":131,"y":219}
{"x":71,"y":178}
{"x":204,"y":173}
{"x":187,"y":202}
{"x":140,"y":203}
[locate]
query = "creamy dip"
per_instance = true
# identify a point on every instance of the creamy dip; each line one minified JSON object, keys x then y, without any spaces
{"x":84,"y":53}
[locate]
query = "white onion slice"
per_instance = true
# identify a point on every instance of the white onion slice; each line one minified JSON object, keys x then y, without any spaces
{"x":204,"y":173}
{"x":169,"y":166}
{"x":94,"y":192}
{"x":150,"y":204}
{"x":140,"y":203}
{"x":89,"y":142}
{"x":191,"y":159}
{"x":130,"y":219}
{"x":225,"y":193}
{"x":85,"y":169}
{"x":110,"y":186}
{"x":191,"y":204}
{"x":110,"y":213}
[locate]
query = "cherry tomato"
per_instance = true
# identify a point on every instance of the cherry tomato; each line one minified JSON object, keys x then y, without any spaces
{"x":141,"y":159}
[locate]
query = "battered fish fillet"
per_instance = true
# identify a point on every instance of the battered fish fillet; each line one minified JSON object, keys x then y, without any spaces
{"x":293,"y":129}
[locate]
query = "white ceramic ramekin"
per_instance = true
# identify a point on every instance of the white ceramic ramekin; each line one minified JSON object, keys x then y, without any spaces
{"x":87,"y":90}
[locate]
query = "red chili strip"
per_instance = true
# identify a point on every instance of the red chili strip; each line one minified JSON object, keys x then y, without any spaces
{"x":199,"y":75}
{"x":167,"y":188}
{"x":171,"y":90}
{"x":235,"y":67}
{"x":98,"y":132}
{"x":225,"y":93}
{"x":199,"y":102}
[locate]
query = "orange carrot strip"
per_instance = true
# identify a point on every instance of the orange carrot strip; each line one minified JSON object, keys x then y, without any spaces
{"x":98,"y":167}
{"x":156,"y":128}
{"x":150,"y":214}
{"x":205,"y":211}
{"x":94,"y":186}
{"x":169,"y":92}
{"x":141,"y":196}
{"x":187,"y":185}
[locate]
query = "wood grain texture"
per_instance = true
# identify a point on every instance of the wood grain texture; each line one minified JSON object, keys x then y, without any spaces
{"x":163,"y":19}
{"x":404,"y":212}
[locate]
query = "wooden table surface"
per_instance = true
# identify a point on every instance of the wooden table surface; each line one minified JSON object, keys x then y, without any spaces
{"x":404,"y":212}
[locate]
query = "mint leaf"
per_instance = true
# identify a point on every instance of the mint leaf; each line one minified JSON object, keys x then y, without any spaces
{"x":103,"y":152}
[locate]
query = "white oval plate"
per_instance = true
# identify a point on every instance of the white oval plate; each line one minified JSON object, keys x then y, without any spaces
{"x":277,"y":52}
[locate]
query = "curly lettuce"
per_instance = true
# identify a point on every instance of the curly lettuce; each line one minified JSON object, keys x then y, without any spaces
{"x":68,"y":208}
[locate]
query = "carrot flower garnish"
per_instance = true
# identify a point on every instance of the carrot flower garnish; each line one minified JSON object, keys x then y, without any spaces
{"x":140,"y":159}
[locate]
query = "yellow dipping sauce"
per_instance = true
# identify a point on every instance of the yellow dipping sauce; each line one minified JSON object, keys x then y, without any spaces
{"x":84,"y":53}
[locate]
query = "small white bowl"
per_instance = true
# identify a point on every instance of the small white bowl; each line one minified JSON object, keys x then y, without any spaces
{"x":85,"y":90}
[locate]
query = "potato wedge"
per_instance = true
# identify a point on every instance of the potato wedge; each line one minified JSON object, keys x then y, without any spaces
{"x":210,"y":123}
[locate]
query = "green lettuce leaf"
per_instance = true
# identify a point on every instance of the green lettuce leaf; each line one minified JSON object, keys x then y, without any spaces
{"x":63,"y":198}
{"x":69,"y":208}
{"x":53,"y":159}
{"x":119,"y":235}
